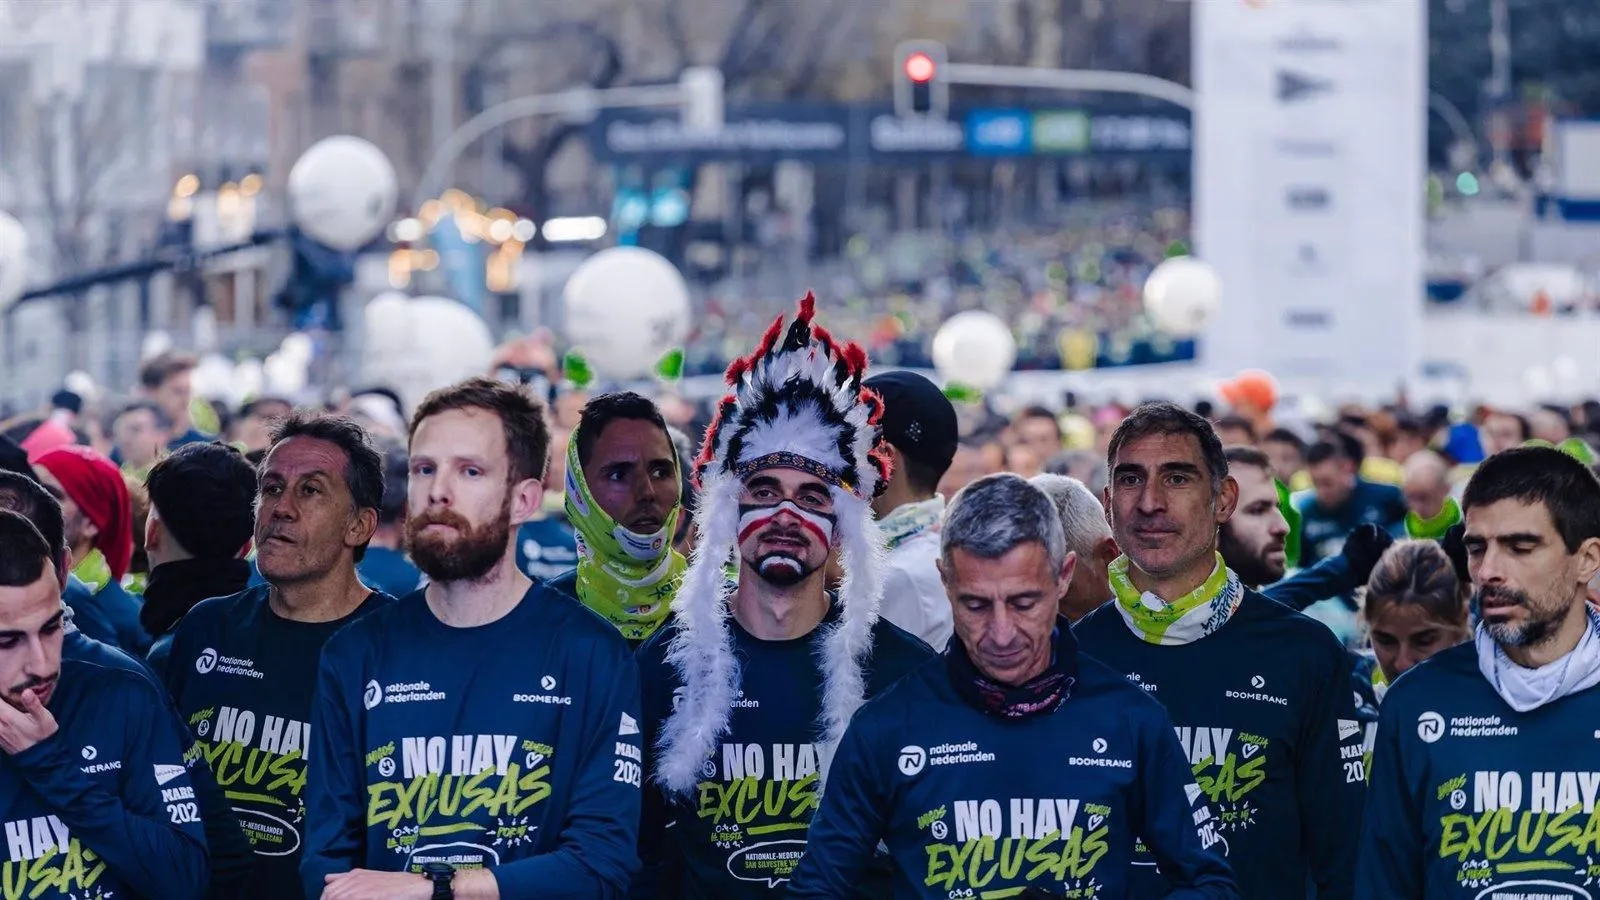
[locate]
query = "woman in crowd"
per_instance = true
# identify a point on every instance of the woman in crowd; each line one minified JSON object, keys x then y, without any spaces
{"x":1416,"y":606}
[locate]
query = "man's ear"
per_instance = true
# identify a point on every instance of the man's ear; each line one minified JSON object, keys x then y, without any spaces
{"x":1588,"y":559}
{"x":362,"y":526}
{"x":527,"y":500}
{"x":155,"y":534}
{"x":1227,"y":499}
{"x":1068,"y":567}
{"x":63,"y":567}
{"x":1105,"y":503}
{"x":1106,"y":550}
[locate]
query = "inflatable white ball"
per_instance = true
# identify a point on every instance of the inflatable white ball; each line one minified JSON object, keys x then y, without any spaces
{"x":343,"y":192}
{"x":975,"y":349}
{"x":625,"y":307}
{"x":1182,"y":295}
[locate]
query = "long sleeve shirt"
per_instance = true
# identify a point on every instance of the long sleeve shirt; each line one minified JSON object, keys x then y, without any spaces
{"x":972,"y":805}
{"x":105,"y":806}
{"x":512,"y":746}
{"x":1267,"y":719}
{"x":1472,"y":800}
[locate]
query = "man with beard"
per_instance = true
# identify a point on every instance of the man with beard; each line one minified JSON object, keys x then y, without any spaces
{"x":242,"y":668}
{"x":479,"y":738}
{"x":1258,"y":692}
{"x":1495,"y":737}
{"x":1014,"y":746}
{"x":1252,"y":541}
{"x":750,"y":685}
{"x":94,"y":794}
{"x":622,"y":497}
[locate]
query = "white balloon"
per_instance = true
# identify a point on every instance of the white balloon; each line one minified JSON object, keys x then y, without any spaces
{"x":81,"y":383}
{"x":625,"y":307}
{"x":1182,"y":295}
{"x":974,"y":348}
{"x":249,"y":380}
{"x":418,"y":345}
{"x":154,"y":344}
{"x":297,"y":346}
{"x":343,"y":192}
{"x":1539,"y":382}
{"x":212,"y":379}
{"x":13,"y":260}
{"x":285,"y":376}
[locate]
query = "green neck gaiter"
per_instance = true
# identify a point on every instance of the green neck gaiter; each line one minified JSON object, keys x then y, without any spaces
{"x":1183,"y":620}
{"x":1433,"y":529}
{"x":93,"y":570}
{"x":628,"y":578}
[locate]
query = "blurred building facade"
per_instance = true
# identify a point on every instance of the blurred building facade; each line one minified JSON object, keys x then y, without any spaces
{"x":126,"y":128}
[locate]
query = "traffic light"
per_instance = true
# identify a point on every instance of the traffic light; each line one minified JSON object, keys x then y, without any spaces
{"x":919,"y":85}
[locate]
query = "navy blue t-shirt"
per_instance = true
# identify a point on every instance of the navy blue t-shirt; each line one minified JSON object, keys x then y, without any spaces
{"x":974,"y":805}
{"x":104,"y":807}
{"x":232,"y":863}
{"x":243,"y":679}
{"x":389,"y":572}
{"x":1267,"y":719}
{"x":546,"y":548}
{"x":1472,"y":800}
{"x":512,"y":745}
{"x":743,"y":829}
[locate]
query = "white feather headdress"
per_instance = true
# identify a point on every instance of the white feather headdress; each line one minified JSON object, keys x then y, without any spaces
{"x":798,"y":404}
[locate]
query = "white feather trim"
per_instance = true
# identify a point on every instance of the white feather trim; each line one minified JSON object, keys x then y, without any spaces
{"x":848,"y":644}
{"x":702,"y":650}
{"x":799,"y":431}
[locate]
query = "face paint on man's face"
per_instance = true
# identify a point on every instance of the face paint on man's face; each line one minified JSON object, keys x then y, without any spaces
{"x":784,"y":543}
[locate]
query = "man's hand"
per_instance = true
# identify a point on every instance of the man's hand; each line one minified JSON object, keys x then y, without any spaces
{"x":23,"y":729}
{"x":365,"y":884}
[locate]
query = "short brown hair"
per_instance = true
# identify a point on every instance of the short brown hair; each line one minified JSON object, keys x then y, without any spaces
{"x":1240,"y":455}
{"x":521,"y":415}
{"x":1418,"y":572}
{"x":155,"y":371}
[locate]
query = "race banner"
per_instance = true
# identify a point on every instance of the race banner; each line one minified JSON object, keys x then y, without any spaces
{"x":1310,"y":156}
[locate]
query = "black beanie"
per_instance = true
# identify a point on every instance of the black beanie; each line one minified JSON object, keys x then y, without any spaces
{"x":204,"y":495}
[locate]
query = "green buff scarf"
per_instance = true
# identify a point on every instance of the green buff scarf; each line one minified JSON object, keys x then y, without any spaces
{"x":907,"y":521}
{"x":1433,"y":529}
{"x":628,"y":578}
{"x":1188,"y":619}
{"x":93,"y":570}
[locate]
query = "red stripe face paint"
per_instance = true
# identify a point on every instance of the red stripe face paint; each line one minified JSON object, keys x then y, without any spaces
{"x":753,"y":518}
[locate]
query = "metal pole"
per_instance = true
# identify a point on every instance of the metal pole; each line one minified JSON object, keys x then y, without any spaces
{"x":1071,"y":80}
{"x":1499,"y":77}
{"x":584,"y":101}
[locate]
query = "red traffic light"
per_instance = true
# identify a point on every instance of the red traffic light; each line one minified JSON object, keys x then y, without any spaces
{"x":920,"y":67}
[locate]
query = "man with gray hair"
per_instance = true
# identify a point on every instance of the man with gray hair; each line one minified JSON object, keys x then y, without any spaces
{"x":1012,"y":742}
{"x":1089,"y":538}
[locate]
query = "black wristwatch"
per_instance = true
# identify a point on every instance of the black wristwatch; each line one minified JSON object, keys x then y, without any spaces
{"x":441,"y":874}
